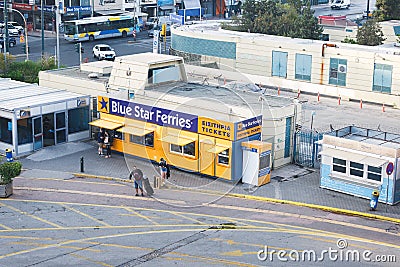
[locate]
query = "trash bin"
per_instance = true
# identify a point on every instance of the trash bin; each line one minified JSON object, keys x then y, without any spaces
{"x":9,"y":156}
{"x":374,"y":199}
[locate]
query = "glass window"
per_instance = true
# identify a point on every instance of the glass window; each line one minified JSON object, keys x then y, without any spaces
{"x":265,"y":161}
{"x":223,"y":157}
{"x":61,"y":136}
{"x":6,"y":130}
{"x":175,"y":148}
{"x":24,"y":128}
{"x":60,"y":120}
{"x":147,"y":140}
{"x":279,"y":64}
{"x":337,"y":71}
{"x":356,"y":169}
{"x":78,"y":119}
{"x":374,"y":173}
{"x":118,"y":135}
{"x":189,"y":149}
{"x":382,"y":78}
{"x":339,"y":165}
{"x":303,"y":67}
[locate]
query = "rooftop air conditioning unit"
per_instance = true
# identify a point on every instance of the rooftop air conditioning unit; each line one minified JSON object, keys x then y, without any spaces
{"x":342,"y":68}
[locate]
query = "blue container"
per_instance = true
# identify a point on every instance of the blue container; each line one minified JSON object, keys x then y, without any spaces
{"x":9,"y":156}
{"x":374,"y":199}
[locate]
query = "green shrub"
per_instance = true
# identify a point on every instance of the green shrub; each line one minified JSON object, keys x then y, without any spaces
{"x":9,"y":170}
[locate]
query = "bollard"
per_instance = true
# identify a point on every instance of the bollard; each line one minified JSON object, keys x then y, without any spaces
{"x":339,"y":98}
{"x":361,"y":103}
{"x":82,"y":164}
{"x":318,"y":96}
{"x":383,"y":107}
{"x":298,"y":93}
{"x":279,"y":90}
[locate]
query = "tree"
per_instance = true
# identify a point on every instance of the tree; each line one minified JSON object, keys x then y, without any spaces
{"x":387,"y":10}
{"x":271,"y":17}
{"x":370,"y":34}
{"x":28,"y":71}
{"x":9,"y":60}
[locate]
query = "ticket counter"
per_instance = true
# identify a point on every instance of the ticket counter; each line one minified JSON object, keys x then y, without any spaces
{"x":190,"y":142}
{"x":256,"y":162}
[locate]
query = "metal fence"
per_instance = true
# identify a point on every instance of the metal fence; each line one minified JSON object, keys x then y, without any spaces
{"x":306,"y":148}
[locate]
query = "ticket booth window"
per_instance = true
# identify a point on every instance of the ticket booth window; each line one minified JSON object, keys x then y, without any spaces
{"x":223,"y":157}
{"x":187,"y":150}
{"x":146,"y":140}
{"x":356,"y":169}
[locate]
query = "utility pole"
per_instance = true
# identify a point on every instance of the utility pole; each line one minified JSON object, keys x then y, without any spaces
{"x":42,"y":24}
{"x":6,"y":37}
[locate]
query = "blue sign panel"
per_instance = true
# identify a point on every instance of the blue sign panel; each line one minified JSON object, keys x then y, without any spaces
{"x":79,"y":9}
{"x":165,"y":2}
{"x":156,"y":115}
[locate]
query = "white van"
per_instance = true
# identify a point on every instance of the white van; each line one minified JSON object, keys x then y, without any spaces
{"x":11,"y":30}
{"x":16,"y":26}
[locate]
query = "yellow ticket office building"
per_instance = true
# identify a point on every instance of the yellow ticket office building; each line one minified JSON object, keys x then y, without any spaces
{"x":190,"y":142}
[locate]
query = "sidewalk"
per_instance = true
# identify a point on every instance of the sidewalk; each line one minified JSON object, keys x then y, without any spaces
{"x":47,"y":34}
{"x":290,"y":183}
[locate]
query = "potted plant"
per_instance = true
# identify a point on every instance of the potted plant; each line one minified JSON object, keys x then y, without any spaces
{"x":8,"y":170}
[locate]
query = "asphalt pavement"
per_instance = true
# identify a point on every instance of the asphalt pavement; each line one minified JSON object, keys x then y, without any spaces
{"x":291,"y":184}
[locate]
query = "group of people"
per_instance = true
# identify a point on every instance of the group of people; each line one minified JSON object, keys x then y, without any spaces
{"x":104,"y":141}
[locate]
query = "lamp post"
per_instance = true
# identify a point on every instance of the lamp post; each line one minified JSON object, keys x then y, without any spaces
{"x":367,"y":9}
{"x":26,"y":33}
{"x":42,"y":24}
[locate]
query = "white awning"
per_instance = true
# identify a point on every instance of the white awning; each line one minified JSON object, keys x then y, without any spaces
{"x":191,"y":4}
{"x":110,"y":12}
{"x":135,"y":130}
{"x":342,"y":154}
{"x":218,"y":149}
{"x":177,"y":140}
{"x":374,"y":162}
{"x":355,"y":157}
{"x":110,"y":125}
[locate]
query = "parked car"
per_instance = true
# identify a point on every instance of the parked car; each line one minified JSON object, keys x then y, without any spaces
{"x":12,"y":31}
{"x":367,"y":14}
{"x":16,"y":26}
{"x":11,"y":41}
{"x":103,"y":51}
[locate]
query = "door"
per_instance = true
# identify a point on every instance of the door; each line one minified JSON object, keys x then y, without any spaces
{"x":61,"y":129}
{"x":207,"y":158}
{"x":48,"y":129}
{"x":37,"y":133}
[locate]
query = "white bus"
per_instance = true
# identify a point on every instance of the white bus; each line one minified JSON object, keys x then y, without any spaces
{"x":102,"y":27}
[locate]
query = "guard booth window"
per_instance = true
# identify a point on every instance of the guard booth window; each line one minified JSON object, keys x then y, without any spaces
{"x":6,"y":130}
{"x":339,"y":165}
{"x":374,"y":173}
{"x":223,"y":157}
{"x":337,"y":71}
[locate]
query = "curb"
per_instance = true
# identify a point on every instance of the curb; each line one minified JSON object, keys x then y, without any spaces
{"x":264,"y":199}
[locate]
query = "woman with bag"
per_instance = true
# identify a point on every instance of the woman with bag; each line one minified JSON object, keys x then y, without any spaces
{"x":107,"y":143}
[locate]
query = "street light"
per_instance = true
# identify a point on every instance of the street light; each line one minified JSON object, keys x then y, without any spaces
{"x":42,"y":25}
{"x":26,"y":33}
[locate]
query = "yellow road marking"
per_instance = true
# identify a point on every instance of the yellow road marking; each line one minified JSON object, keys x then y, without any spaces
{"x":140,"y":215}
{"x":334,"y":242}
{"x":5,"y":227}
{"x":41,"y":245}
{"x":29,"y":215}
{"x":85,"y":215}
{"x":186,"y":217}
{"x":358,"y":226}
{"x":90,"y":260}
{"x":95,"y":194}
{"x":69,"y":181}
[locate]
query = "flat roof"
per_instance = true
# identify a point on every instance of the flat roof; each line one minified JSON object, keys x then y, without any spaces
{"x":233,"y":94}
{"x":16,"y":95}
{"x":368,"y":136}
{"x":149,"y":58}
{"x":214,"y":28}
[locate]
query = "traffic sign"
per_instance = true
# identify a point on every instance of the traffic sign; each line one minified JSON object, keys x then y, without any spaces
{"x":389,"y":168}
{"x":21,"y":39}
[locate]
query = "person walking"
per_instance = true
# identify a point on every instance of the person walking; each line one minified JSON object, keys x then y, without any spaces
{"x":137,"y":175}
{"x":107,"y":143}
{"x":100,"y":141}
{"x":163,"y":169}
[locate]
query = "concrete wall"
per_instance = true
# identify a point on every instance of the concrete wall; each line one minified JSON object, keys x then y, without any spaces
{"x":254,"y":59}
